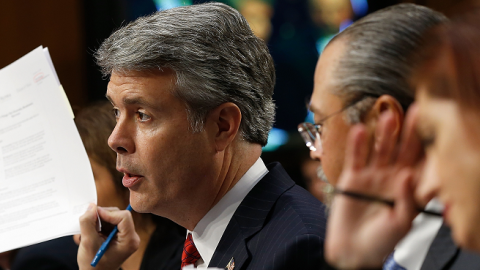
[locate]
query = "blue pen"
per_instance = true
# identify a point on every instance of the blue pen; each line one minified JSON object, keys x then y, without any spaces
{"x":105,"y":244}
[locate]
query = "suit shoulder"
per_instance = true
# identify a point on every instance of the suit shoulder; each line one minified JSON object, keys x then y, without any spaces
{"x":302,"y":212}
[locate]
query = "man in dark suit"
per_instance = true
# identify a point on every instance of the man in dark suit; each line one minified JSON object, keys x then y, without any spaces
{"x":277,"y":226}
{"x":191,"y":89}
{"x":363,"y":74}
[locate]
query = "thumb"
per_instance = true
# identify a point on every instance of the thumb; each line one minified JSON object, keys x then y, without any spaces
{"x":88,"y":224}
{"x":88,"y":221}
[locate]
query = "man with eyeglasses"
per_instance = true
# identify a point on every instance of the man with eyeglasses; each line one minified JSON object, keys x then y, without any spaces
{"x":362,"y":74}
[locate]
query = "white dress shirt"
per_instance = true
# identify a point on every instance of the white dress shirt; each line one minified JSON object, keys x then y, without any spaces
{"x":411,"y":251}
{"x":206,"y":235}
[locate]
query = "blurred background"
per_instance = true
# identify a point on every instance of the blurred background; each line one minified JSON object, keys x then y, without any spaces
{"x":295,"y":30}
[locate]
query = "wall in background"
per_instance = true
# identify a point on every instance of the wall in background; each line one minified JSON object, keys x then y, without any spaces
{"x":58,"y":25}
{"x":73,"y":30}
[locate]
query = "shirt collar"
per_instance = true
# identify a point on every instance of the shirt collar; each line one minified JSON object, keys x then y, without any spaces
{"x":206,"y":235}
{"x":412,"y":250}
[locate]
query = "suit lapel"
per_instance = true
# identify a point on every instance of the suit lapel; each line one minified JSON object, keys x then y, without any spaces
{"x":442,"y":250}
{"x":250,"y":217}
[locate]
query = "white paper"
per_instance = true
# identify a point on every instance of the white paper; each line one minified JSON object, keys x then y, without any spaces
{"x":46,"y":182}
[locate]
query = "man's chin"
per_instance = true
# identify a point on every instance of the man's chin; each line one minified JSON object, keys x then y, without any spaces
{"x":327,"y":189}
{"x":321,"y":174}
{"x":138,"y":203}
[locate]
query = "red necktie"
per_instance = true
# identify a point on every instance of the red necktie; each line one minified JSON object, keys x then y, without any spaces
{"x":190,"y":253}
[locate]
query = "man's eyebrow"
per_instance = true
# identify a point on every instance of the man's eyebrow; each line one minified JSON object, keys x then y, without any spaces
{"x":312,"y":108}
{"x":137,"y":101}
{"x":109,"y":99}
{"x":134,"y":101}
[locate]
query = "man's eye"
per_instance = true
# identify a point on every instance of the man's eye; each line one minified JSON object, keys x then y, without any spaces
{"x":116,"y":112}
{"x":143,"y":117}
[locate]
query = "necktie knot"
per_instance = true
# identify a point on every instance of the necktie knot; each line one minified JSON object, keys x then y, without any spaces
{"x":190,"y":253}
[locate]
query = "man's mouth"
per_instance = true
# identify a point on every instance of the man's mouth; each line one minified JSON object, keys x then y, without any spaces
{"x":129,"y":180}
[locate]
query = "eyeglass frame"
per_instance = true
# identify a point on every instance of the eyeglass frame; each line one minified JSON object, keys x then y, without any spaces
{"x":304,"y":131}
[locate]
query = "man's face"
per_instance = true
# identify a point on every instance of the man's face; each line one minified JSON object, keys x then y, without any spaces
{"x":165,"y":165}
{"x":331,"y":152}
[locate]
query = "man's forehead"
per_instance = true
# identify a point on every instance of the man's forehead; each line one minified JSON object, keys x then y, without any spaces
{"x":139,"y":88}
{"x":327,"y":69}
{"x":325,"y":78}
{"x":321,"y":97}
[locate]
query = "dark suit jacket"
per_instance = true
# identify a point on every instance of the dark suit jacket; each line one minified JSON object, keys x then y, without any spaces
{"x":445,"y":255}
{"x":278,"y":225}
{"x":57,"y":254}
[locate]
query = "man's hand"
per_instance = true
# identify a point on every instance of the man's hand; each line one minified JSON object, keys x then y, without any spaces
{"x":360,"y":234}
{"x":122,"y":246}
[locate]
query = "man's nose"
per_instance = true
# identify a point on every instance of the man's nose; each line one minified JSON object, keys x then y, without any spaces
{"x":121,"y":138}
{"x":317,"y":153}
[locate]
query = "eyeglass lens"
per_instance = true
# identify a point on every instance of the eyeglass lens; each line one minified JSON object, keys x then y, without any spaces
{"x":308,"y":133}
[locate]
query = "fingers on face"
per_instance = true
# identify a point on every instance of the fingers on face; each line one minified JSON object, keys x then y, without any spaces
{"x":356,"y":149}
{"x":385,"y":144}
{"x":411,"y":150}
{"x":405,"y":206}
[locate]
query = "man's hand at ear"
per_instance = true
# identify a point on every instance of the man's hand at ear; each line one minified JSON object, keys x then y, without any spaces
{"x":361,"y":234}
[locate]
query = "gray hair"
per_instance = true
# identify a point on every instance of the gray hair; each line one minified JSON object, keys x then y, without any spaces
{"x":377,"y":54}
{"x":215,"y":56}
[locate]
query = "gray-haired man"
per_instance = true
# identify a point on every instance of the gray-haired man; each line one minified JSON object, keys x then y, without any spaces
{"x":362,"y":74}
{"x":192,"y":92}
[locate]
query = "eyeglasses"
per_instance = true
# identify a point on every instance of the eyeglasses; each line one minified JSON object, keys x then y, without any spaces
{"x":312,"y":132}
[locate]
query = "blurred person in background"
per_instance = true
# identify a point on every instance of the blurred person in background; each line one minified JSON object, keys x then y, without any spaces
{"x":363,"y":73}
{"x":258,"y":14}
{"x":335,"y":13}
{"x":161,"y":240}
{"x":332,"y":16}
{"x":445,"y":123}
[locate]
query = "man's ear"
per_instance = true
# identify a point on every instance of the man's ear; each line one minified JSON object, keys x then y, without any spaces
{"x":383,"y":104}
{"x":224,"y":122}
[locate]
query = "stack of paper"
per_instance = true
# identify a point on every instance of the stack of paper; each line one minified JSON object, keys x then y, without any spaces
{"x":46,"y":182}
